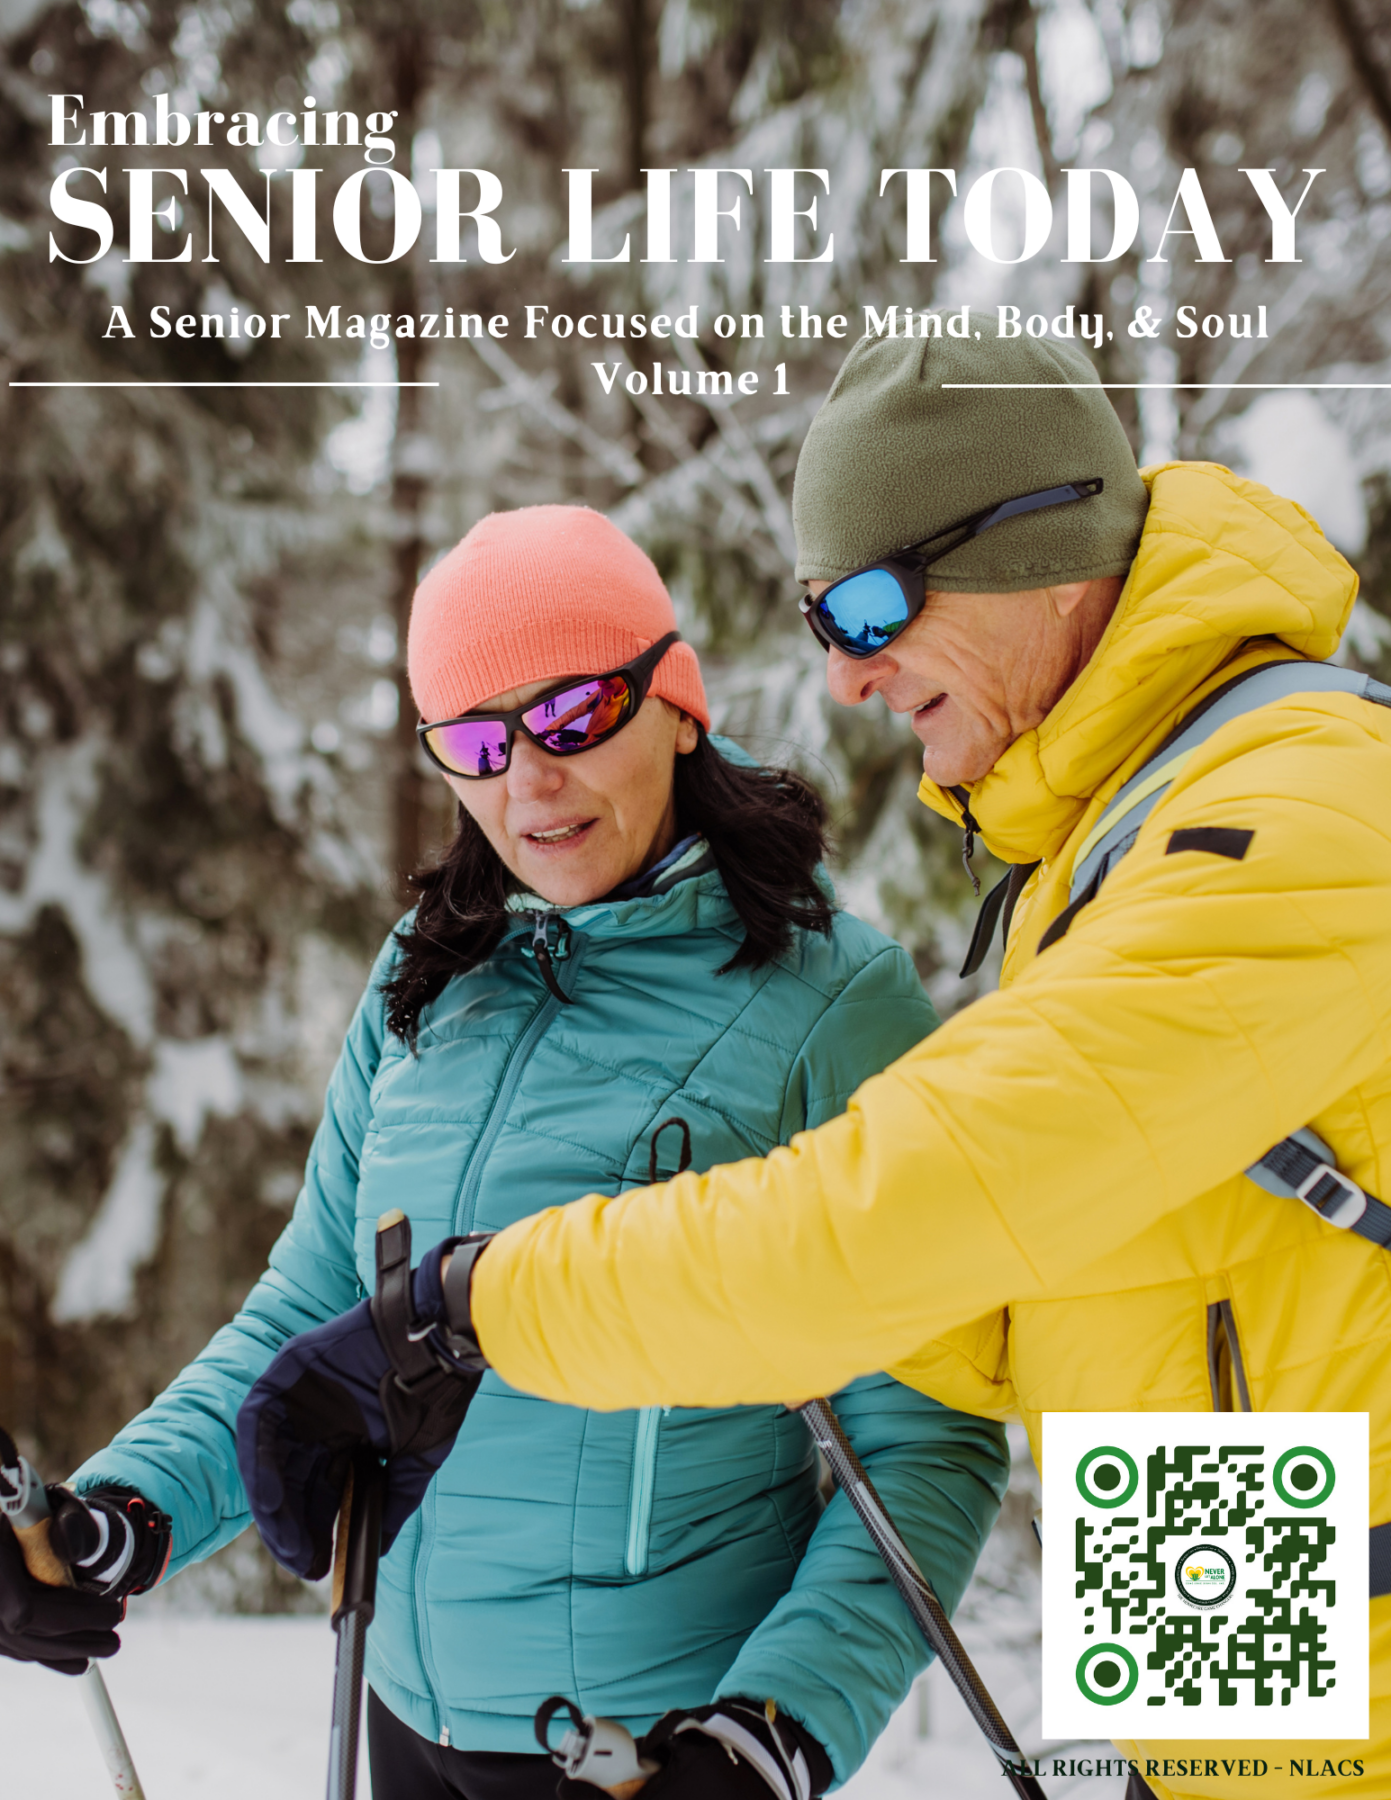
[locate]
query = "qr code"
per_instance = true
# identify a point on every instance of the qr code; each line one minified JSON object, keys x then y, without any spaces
{"x":1202,"y":1582}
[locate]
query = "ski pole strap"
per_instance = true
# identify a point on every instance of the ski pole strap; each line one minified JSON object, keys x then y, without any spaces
{"x":1302,"y":1167}
{"x":393,"y":1303}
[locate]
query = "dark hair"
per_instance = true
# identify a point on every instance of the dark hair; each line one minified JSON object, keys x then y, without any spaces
{"x":766,"y":829}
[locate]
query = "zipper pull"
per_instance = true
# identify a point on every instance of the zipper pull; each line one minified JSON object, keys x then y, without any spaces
{"x":969,"y":828}
{"x":550,"y":944}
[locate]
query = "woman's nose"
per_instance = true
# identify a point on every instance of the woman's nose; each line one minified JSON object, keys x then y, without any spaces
{"x":531,"y":774}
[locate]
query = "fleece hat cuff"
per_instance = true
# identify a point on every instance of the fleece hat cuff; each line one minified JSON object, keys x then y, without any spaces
{"x":535,"y":595}
{"x":900,"y":450}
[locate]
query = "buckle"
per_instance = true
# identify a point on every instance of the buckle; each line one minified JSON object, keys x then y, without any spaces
{"x":1342,"y":1204}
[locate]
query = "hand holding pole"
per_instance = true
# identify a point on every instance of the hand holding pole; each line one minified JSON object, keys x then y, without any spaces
{"x":24,"y":1502}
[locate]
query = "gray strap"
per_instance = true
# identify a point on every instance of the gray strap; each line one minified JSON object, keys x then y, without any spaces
{"x":1261,"y":687}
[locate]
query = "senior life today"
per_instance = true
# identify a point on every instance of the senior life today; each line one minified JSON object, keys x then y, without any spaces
{"x":1045,"y":1205}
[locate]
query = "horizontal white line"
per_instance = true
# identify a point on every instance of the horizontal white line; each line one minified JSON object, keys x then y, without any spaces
{"x":224,"y":384}
{"x":1174,"y":386}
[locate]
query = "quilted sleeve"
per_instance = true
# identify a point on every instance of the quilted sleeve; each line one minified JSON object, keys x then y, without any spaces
{"x":1198,"y":1011}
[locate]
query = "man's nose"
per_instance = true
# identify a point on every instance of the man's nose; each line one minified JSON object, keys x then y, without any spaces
{"x":850,"y":680}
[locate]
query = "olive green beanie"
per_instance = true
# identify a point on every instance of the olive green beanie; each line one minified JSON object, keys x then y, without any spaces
{"x":894,"y":455}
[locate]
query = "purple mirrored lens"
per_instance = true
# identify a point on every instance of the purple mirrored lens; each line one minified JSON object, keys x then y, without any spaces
{"x":579,"y":716}
{"x":470,"y":746}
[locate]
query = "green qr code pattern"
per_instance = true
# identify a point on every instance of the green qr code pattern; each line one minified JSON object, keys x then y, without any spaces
{"x":1266,"y":1642}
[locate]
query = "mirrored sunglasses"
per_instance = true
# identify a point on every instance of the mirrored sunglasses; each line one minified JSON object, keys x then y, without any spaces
{"x":571,"y":717}
{"x":864,"y":611}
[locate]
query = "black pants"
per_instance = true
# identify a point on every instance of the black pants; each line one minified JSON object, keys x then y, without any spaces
{"x":406,"y":1766}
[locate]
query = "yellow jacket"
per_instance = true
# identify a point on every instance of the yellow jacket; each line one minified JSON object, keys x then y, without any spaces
{"x":1040,"y":1208}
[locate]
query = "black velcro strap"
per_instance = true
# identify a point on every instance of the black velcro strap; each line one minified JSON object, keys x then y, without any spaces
{"x":1216,"y":840}
{"x":1379,"y":1562}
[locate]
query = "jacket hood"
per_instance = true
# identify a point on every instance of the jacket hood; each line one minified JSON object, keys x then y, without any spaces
{"x":1221,"y":560}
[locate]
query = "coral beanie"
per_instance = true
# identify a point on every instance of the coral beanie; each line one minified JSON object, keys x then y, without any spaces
{"x":535,"y":595}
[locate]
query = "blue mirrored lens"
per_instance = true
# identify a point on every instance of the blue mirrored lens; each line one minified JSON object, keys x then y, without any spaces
{"x":866,"y":610}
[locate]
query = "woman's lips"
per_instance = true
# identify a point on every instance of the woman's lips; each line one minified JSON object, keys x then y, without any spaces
{"x":558,"y":837}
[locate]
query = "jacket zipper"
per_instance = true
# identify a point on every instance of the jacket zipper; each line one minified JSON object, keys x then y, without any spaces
{"x":645,"y":1431}
{"x":1226,"y":1368}
{"x":465,"y":1201}
{"x":513,"y":1070}
{"x":424,"y":1648}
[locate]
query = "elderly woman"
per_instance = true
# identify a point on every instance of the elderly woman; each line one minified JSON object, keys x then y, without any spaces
{"x":626,"y":960}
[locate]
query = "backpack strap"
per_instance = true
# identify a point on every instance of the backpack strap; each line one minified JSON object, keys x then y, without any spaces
{"x":1301,"y":1166}
{"x":997,"y":908}
{"x":1115,"y":832}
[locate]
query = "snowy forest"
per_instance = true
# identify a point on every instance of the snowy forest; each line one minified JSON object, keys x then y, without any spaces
{"x":210,"y":786}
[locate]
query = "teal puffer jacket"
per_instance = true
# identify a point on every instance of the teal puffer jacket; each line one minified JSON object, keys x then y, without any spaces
{"x":635,"y":1561}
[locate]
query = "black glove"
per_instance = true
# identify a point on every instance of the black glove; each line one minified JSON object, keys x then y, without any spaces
{"x":58,"y":1627}
{"x":730,"y":1751}
{"x":396,"y":1373}
{"x":112,"y":1539}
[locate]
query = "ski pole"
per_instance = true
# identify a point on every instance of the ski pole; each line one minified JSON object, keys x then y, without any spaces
{"x":24,"y":1503}
{"x":927,"y":1610}
{"x":356,"y":1550}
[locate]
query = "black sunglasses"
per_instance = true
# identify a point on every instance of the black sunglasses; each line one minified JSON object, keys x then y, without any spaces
{"x":865,"y":610}
{"x":574,"y":715}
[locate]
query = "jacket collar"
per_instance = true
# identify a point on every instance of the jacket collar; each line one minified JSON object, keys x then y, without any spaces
{"x":689,"y":895}
{"x":1221,"y":560}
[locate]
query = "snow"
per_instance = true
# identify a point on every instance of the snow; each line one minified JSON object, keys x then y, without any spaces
{"x":213,"y":1709}
{"x":98,"y":1278}
{"x":1288,"y":441}
{"x":218,"y":1708}
{"x":112,"y":969}
{"x":189,"y":1081}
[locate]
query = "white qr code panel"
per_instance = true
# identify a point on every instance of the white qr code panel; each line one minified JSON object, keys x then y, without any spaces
{"x":1205,"y":1575}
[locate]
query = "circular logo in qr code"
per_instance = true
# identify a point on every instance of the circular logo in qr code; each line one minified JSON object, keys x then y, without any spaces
{"x":1107,"y":1674}
{"x":1106,"y":1476}
{"x":1303,"y":1477}
{"x":1204,"y":1575}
